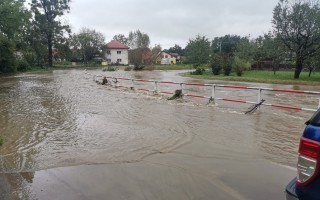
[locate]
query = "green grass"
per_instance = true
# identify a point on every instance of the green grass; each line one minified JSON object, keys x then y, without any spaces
{"x":1,"y":141}
{"x":168,"y":67}
{"x":281,"y":77}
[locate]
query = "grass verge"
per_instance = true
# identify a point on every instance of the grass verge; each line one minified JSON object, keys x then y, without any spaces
{"x":281,"y":77}
{"x":168,"y":67}
{"x":1,"y":141}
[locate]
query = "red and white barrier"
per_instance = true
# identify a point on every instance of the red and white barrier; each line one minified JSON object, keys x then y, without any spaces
{"x":214,"y":86}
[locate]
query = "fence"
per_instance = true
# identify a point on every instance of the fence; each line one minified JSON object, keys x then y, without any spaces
{"x":213,"y":96}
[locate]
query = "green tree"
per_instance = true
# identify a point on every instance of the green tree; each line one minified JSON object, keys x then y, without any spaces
{"x":14,"y":18}
{"x":198,"y":50}
{"x":47,"y":19}
{"x":7,"y":59}
{"x":138,"y":39}
{"x":176,"y":49}
{"x":270,"y":48}
{"x":226,"y":45}
{"x":297,"y":23}
{"x":139,"y":43}
{"x":121,"y":38}
{"x":246,"y":49}
{"x":216,"y":64}
{"x":87,"y":43}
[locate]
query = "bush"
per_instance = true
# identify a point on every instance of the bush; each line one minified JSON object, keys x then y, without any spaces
{"x":227,"y":66}
{"x":1,"y":141}
{"x":240,"y":65}
{"x":216,"y":64}
{"x":23,"y":65}
{"x":198,"y":71}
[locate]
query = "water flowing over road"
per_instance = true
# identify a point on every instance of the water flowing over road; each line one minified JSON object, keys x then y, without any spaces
{"x":64,"y":119}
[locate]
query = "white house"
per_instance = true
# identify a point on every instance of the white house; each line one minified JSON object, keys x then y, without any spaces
{"x":116,"y":52}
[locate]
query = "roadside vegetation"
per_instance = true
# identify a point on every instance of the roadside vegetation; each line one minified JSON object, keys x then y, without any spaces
{"x":281,"y":77}
{"x":169,"y":67}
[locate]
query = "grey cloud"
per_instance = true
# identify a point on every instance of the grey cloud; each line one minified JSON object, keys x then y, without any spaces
{"x":173,"y":21}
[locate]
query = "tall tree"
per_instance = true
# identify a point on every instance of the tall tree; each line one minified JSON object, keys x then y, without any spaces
{"x":198,"y":50}
{"x":297,"y":23}
{"x":121,"y":38}
{"x":88,"y":43}
{"x":47,"y":18}
{"x":138,"y":39}
{"x":139,"y":43}
{"x":13,"y":19}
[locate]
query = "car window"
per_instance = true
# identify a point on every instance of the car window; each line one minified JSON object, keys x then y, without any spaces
{"x":315,"y":119}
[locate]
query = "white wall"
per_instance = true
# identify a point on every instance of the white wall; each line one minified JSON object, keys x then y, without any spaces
{"x":114,"y":56}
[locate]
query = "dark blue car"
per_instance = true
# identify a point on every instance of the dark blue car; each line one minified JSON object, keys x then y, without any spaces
{"x":307,"y":184}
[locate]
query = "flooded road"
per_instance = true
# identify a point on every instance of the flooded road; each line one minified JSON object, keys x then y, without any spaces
{"x":65,"y":119}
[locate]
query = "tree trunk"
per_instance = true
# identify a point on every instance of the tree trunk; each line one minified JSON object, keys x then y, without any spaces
{"x":49,"y":37}
{"x":298,"y":69}
{"x":310,"y":71}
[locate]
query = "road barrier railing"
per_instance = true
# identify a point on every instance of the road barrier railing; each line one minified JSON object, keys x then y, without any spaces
{"x":213,"y":97}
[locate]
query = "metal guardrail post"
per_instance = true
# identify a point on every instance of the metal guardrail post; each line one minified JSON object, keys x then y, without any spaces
{"x":155,"y":86}
{"x":132,"y":84}
{"x":181,"y":87}
{"x":259,"y":96}
{"x":213,"y":95}
{"x":319,"y":103}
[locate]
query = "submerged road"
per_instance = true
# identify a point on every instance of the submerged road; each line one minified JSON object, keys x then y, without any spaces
{"x":69,"y":138}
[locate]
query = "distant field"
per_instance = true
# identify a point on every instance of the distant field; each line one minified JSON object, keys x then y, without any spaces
{"x":281,"y":77}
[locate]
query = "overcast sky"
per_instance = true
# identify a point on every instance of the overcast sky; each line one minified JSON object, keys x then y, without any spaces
{"x":170,"y":22}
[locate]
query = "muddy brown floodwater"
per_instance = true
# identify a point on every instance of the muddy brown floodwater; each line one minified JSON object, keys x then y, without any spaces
{"x":67,"y":137}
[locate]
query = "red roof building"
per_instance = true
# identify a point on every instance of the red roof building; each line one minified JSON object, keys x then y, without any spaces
{"x":117,"y":53}
{"x":114,"y":44}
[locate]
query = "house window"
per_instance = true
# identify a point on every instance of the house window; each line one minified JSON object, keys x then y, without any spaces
{"x":119,"y":60}
{"x":118,"y":52}
{"x":108,"y":52}
{"x":166,"y":56}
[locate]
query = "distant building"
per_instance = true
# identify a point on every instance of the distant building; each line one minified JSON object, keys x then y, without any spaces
{"x":165,"y":58}
{"x":116,"y":52}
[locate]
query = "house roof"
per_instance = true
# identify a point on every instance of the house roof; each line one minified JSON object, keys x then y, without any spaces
{"x":174,"y":54}
{"x":114,"y":44}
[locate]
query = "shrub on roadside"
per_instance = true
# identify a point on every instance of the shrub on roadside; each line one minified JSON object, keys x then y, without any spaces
{"x":198,"y":71}
{"x":227,"y":65}
{"x":216,"y":64}
{"x":240,"y":65}
{"x":23,"y":65}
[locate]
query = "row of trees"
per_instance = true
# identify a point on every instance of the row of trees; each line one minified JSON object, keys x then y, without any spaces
{"x":295,"y":38}
{"x":28,"y":35}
